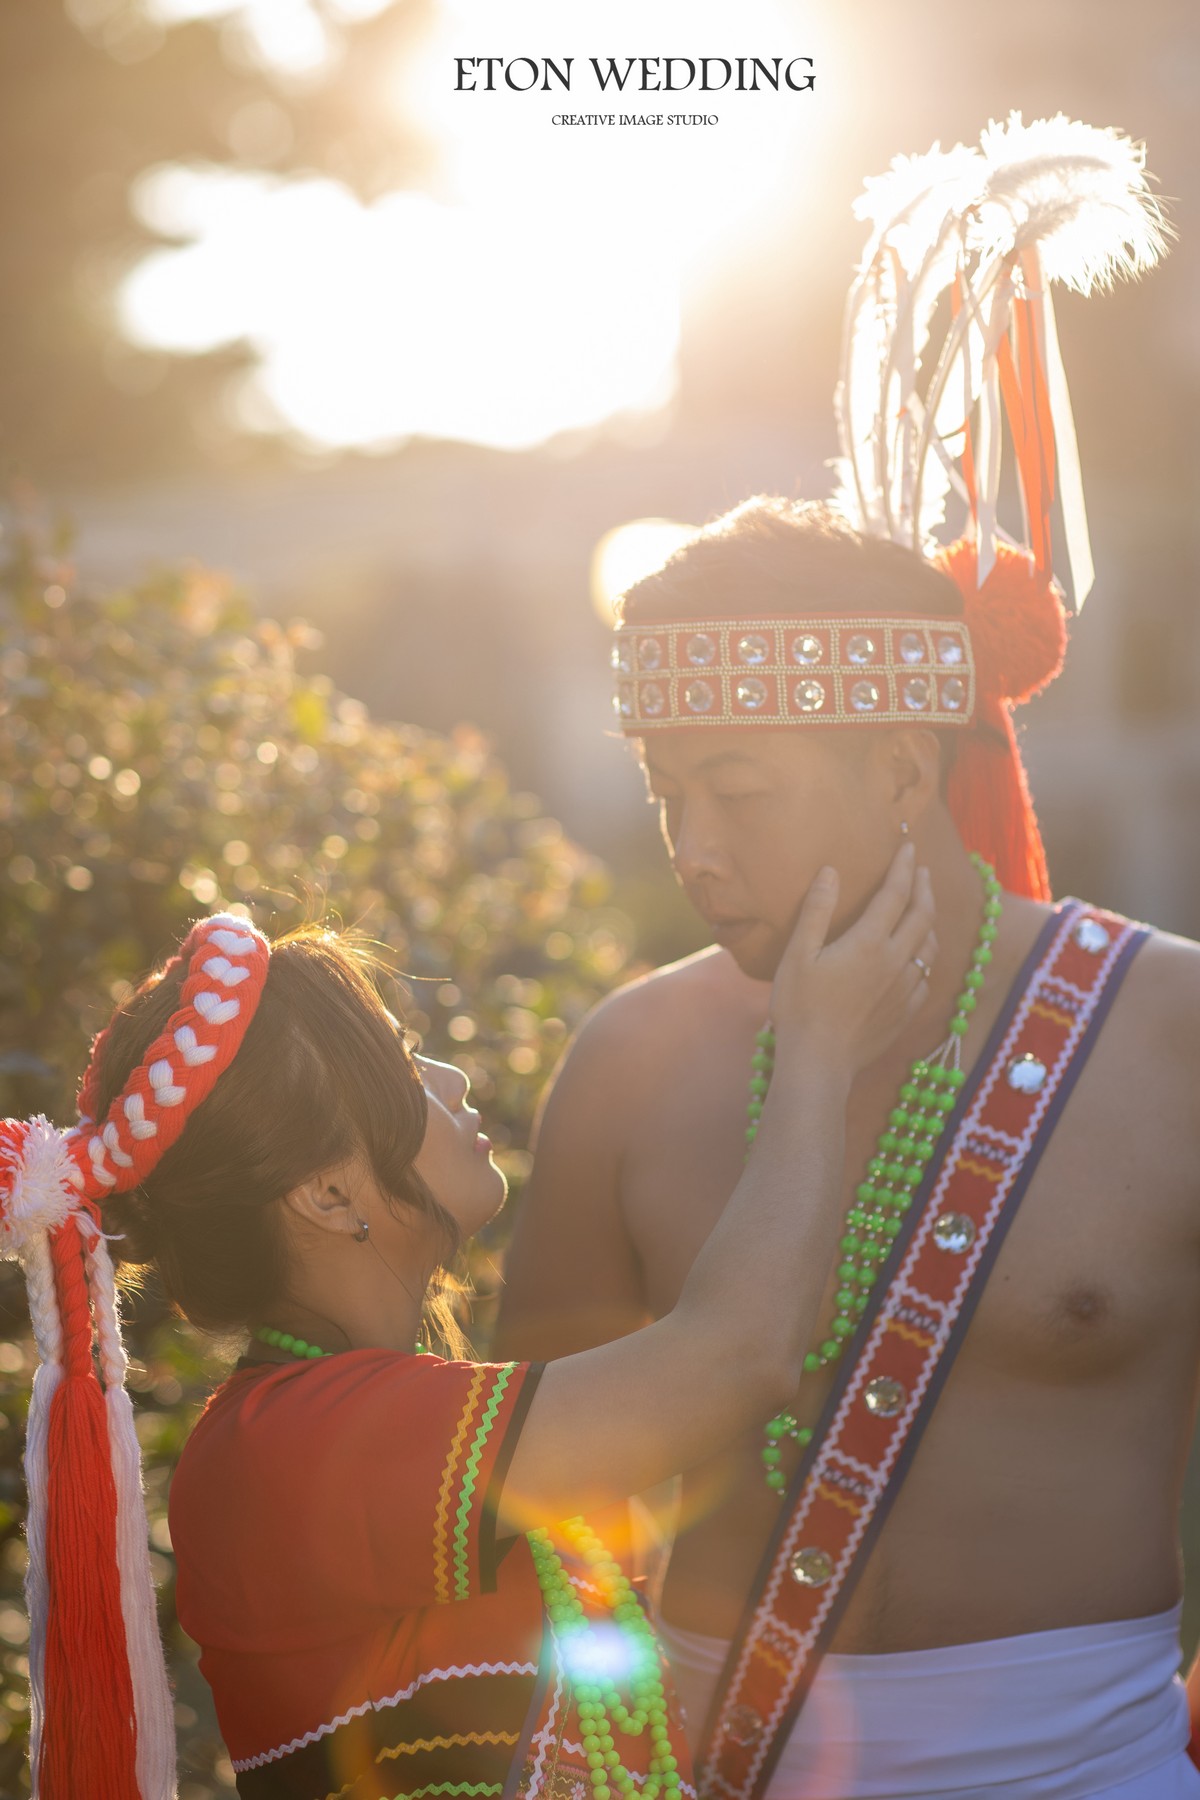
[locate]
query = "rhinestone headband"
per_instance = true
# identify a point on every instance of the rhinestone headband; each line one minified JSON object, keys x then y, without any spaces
{"x":794,"y":672}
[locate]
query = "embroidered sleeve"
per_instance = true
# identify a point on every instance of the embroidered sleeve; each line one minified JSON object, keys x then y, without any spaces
{"x":363,"y":1484}
{"x":432,"y":1527}
{"x":477,"y":1455}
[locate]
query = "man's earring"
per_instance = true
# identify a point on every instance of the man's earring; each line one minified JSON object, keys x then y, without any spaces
{"x":363,"y":1232}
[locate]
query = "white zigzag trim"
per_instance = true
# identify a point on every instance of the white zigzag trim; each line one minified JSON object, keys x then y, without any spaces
{"x":906,"y":1293}
{"x":1069,"y":990}
{"x":545,"y":1737}
{"x":991,"y":1134}
{"x":851,"y":1463}
{"x":358,"y":1712}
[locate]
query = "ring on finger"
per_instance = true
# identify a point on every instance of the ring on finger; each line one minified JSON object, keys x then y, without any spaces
{"x":926,"y":971}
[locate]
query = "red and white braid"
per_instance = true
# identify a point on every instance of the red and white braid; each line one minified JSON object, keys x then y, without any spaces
{"x":102,"y":1715}
{"x":227,"y":966}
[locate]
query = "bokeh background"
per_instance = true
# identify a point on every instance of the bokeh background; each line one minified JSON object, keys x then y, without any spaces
{"x":291,"y":329}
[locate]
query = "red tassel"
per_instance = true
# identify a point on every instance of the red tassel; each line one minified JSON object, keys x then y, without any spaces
{"x":1018,"y":635}
{"x":992,"y":808}
{"x":89,"y":1737}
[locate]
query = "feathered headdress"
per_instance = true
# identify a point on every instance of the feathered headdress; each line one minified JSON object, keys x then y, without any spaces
{"x":950,"y":339}
{"x":987,"y":230}
{"x":949,"y":343}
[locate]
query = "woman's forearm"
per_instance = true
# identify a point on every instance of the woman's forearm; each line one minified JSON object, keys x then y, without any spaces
{"x":787,"y":1207}
{"x":612,"y":1421}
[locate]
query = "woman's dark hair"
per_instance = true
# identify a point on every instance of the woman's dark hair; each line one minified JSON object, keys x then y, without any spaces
{"x":323,"y":1074}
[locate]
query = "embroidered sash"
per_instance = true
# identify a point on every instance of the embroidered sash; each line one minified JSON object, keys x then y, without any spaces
{"x":906,"y":1343}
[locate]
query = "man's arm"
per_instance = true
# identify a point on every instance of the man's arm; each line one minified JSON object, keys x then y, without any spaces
{"x":571,"y":1276}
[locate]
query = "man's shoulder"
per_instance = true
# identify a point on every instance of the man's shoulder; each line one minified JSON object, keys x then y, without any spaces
{"x":655,"y":1011}
{"x":1159,"y":1001}
{"x":678,"y":992}
{"x":1163,"y":989}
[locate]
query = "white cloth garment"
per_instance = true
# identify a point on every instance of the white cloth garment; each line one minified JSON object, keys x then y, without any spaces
{"x":1089,"y":1711}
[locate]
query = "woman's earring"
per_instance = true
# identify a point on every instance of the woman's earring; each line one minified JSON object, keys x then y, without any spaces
{"x":904,"y":828}
{"x":363,"y":1232}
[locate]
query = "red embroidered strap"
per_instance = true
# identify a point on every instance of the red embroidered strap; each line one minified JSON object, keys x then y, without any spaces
{"x":854,"y":1467}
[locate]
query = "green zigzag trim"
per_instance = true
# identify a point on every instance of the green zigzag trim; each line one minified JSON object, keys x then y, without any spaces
{"x":454,"y":1787}
{"x":462,"y":1584}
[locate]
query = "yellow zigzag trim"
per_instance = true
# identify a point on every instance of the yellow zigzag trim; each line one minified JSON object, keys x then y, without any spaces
{"x":462,"y":1584}
{"x":910,"y":1333}
{"x":472,"y":1788}
{"x":825,"y":1492}
{"x":441,"y":1590}
{"x":973,"y":1167}
{"x":1053,"y":1013}
{"x":772,"y":1660}
{"x":455,"y":1741}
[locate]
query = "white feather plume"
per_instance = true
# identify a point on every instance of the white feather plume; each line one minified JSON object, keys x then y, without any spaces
{"x":908,"y":203}
{"x":1079,"y":192}
{"x":1055,"y":200}
{"x":910,"y":259}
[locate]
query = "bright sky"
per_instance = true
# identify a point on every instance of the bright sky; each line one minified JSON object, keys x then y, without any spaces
{"x":536,"y":291}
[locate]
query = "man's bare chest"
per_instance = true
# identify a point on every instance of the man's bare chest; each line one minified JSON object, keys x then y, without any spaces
{"x":1098,"y":1265}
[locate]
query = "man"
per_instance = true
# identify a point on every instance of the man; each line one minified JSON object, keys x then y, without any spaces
{"x":998,"y":1613}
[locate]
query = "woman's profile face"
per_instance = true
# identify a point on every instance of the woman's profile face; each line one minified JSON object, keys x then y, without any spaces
{"x":455,"y":1158}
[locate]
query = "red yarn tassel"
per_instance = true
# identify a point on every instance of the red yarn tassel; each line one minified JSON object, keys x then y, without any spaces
{"x":1018,"y":635}
{"x":89,"y":1736}
{"x":990,"y":803}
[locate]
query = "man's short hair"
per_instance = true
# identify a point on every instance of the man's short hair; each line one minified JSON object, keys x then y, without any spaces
{"x":777,"y":558}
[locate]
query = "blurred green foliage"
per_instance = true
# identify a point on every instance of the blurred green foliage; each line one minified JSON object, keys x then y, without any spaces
{"x":163,"y":753}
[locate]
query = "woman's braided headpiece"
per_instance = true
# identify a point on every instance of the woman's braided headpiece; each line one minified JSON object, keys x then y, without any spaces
{"x":102,"y":1716}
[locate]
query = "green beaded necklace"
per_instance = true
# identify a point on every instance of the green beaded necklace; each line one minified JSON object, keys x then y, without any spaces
{"x":597,"y":1702}
{"x":894,"y":1173}
{"x":296,"y":1346}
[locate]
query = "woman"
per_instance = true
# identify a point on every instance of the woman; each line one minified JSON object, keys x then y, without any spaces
{"x":368,"y":1541}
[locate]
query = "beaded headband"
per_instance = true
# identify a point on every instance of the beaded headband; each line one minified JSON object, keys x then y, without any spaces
{"x":803,"y":671}
{"x":103,"y":1717}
